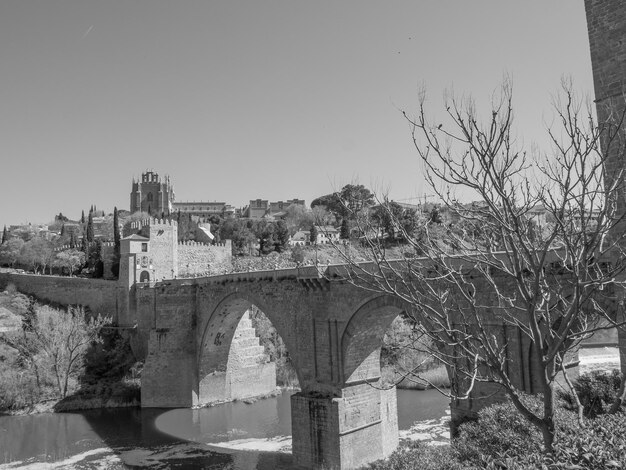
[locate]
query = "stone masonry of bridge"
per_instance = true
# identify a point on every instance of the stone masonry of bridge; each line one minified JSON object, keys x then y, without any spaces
{"x":342,"y":417}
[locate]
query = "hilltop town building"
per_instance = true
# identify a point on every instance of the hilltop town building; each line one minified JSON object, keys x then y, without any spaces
{"x":259,"y":208}
{"x":204,"y":210}
{"x":156,"y":197}
{"x":152,"y":194}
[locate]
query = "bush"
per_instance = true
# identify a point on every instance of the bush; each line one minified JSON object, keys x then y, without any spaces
{"x":18,"y":389}
{"x":110,"y":359}
{"x":600,"y":445}
{"x":596,"y":391}
{"x":419,"y":456}
{"x":286,"y":373}
{"x":500,"y":432}
{"x":502,"y":438}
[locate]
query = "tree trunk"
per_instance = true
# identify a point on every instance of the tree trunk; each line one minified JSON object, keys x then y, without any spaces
{"x":59,"y":386}
{"x":547,"y":432}
{"x":67,"y":376}
{"x":621,"y":397}
{"x":547,"y":381}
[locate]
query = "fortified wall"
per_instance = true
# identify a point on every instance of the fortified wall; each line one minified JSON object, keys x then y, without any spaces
{"x":149,"y":252}
{"x":201,"y":259}
{"x":172,"y":259}
{"x":98,"y":295}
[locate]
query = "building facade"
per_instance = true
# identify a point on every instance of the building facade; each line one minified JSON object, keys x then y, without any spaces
{"x":152,"y":195}
{"x":259,"y":208}
{"x":204,"y":210}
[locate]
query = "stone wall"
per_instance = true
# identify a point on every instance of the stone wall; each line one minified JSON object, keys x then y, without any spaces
{"x":606,"y":25}
{"x":198,"y":259}
{"x":249,"y":372}
{"x":163,"y":235}
{"x":107,"y":253}
{"x":98,"y":295}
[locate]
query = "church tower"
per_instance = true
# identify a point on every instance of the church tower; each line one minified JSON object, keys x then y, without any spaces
{"x":152,"y":195}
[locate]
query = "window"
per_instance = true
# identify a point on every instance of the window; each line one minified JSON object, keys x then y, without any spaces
{"x":144,"y":247}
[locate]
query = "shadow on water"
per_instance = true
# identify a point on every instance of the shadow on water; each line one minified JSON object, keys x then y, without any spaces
{"x":130,"y":438}
{"x":133,"y":437}
{"x":185,"y":438}
{"x":175,"y":438}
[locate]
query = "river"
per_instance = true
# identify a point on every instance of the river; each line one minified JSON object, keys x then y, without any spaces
{"x":235,"y":436}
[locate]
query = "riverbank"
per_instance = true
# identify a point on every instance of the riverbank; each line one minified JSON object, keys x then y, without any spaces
{"x":591,"y":359}
{"x":437,"y":431}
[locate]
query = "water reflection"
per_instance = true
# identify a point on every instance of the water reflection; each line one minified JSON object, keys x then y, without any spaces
{"x":220,"y":437}
{"x":264,"y":419}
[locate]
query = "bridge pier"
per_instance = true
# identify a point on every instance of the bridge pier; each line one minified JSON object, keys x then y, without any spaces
{"x":344,"y":432}
{"x":169,"y":373}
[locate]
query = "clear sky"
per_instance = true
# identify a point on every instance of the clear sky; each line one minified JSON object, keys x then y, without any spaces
{"x":238,"y":100}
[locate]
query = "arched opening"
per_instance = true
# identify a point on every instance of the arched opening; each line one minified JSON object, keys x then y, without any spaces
{"x":144,"y":276}
{"x":381,"y":346}
{"x":382,"y":343}
{"x":275,"y":348}
{"x":409,"y":358}
{"x":241,"y":355}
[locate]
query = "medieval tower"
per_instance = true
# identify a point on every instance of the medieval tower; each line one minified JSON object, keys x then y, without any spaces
{"x":606,"y":25}
{"x":152,"y":195}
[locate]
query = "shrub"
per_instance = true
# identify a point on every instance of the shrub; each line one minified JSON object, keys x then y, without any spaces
{"x":502,"y":438}
{"x":18,"y":389}
{"x":595,"y":390}
{"x":419,"y":456}
{"x":110,"y":359}
{"x":500,"y":432}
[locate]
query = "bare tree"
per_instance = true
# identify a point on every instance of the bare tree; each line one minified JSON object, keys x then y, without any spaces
{"x":536,"y":252}
{"x":56,"y":341}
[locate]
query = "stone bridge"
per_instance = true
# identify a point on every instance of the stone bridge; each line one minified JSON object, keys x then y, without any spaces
{"x":342,"y":417}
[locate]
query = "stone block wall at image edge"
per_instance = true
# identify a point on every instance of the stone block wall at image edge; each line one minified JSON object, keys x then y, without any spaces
{"x":197,"y":259}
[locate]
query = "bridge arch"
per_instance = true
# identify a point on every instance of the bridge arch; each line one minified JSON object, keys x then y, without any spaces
{"x":231,"y":364}
{"x":363,"y":337}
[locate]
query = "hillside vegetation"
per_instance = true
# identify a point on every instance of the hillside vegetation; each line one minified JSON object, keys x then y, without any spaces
{"x":60,"y":357}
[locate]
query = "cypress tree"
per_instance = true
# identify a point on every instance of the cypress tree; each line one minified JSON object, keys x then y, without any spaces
{"x":84,"y":247}
{"x":116,"y":243}
{"x":5,"y":235}
{"x":89,"y":233}
{"x":344,"y":232}
{"x":82,"y":217}
{"x":313,"y":235}
{"x":116,"y":231}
